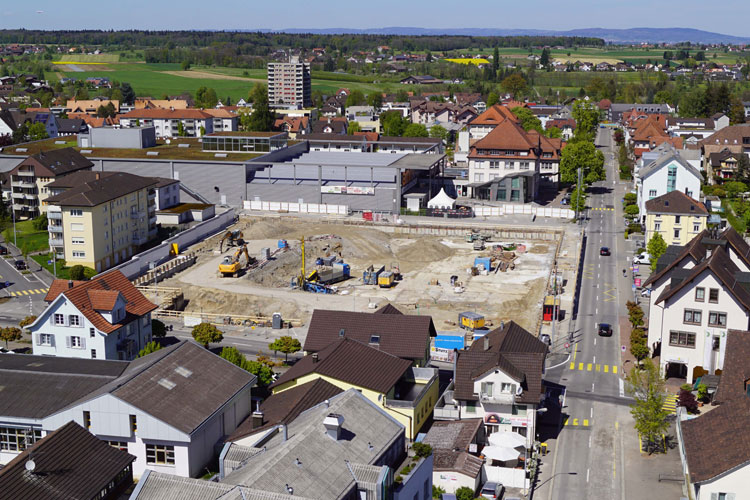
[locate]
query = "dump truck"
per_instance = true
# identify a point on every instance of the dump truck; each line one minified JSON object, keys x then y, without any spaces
{"x":479,"y":245}
{"x":339,"y":272}
{"x":370,"y":276}
{"x":470,"y":320}
{"x":386,"y":279}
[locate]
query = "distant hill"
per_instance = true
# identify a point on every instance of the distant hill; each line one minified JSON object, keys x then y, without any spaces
{"x":630,"y":35}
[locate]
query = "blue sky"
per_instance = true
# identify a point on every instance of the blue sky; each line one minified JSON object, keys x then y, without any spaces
{"x":722,"y":16}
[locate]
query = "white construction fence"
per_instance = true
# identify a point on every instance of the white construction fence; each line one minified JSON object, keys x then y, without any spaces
{"x":298,"y":208}
{"x":501,"y":210}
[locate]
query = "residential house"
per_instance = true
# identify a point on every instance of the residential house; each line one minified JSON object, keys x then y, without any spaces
{"x":167,"y":193}
{"x":223,"y":120}
{"x":330,"y":126}
{"x":15,"y":118}
{"x":735,"y":139}
{"x":94,"y":121}
{"x":104,"y":318}
{"x":714,"y":463}
{"x":670,"y":172}
{"x":405,"y":336}
{"x":567,"y":126}
{"x":169,"y":409}
{"x":99,"y":219}
{"x":365,"y":117}
{"x":345,"y":447}
{"x":29,"y":179}
{"x":455,"y":445}
{"x":724,"y":164}
{"x":499,"y":380}
{"x":478,"y":128}
{"x":616,"y":110}
{"x":702,"y":127}
{"x":699,"y":291}
{"x":68,"y":463}
{"x":677,"y":217}
{"x":421,"y":80}
{"x":405,"y":392}
{"x":293,"y":126}
{"x":71,"y":126}
{"x":91,"y":106}
{"x":473,"y":99}
{"x":171,"y":122}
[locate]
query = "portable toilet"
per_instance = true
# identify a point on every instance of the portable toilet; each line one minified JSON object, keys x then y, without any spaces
{"x":276,"y":321}
{"x":470,"y":320}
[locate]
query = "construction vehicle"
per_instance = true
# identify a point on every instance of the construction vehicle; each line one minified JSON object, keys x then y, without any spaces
{"x":231,"y":267}
{"x":396,"y":270}
{"x":339,"y":272}
{"x":479,"y":245}
{"x":470,"y":320}
{"x":233,"y":239}
{"x":370,"y":276}
{"x":386,"y":279}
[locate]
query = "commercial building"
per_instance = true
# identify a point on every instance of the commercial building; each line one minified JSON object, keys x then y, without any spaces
{"x":105,"y":318}
{"x":119,"y":138}
{"x":676,"y":217}
{"x":170,"y":409}
{"x":289,"y":84}
{"x":244,"y":142}
{"x":99,"y":219}
{"x":29,"y":179}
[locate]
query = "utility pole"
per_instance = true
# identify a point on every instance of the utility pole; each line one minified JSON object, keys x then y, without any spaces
{"x":578,"y":197}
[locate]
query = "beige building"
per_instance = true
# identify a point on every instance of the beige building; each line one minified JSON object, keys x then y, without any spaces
{"x":676,"y":216}
{"x":100,"y":219}
{"x":29,"y":180}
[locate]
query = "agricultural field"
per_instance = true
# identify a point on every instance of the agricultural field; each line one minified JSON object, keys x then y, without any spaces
{"x":469,"y":60}
{"x":90,"y":58}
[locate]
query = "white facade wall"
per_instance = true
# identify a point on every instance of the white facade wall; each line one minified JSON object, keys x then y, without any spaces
{"x":168,"y":196}
{"x":656,"y":185}
{"x":485,"y":170}
{"x":450,"y":481}
{"x":669,"y":315}
{"x":733,"y":483}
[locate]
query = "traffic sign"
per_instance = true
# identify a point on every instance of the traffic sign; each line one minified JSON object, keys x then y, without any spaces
{"x":623,"y":348}
{"x":634,"y":289}
{"x":635,"y":268}
{"x":567,"y":345}
{"x":638,"y":282}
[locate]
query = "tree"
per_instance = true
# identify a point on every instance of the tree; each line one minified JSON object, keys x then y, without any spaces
{"x":632,"y":211}
{"x":737,"y":112}
{"x":495,"y":61}
{"x":656,"y":247}
{"x":206,"y":333}
{"x":10,"y":334}
{"x":262,"y":118}
{"x":181,"y":129}
{"x":128,"y":94}
{"x":77,"y":272}
{"x":375,"y":100}
{"x":152,"y":346}
{"x":422,"y":450}
{"x":553,"y":133}
{"x":584,"y":155}
{"x":578,"y":202}
{"x":646,"y":386}
{"x":586,"y":115}
{"x":37,"y":132}
{"x":437,"y":492}
{"x":158,"y":329}
{"x":352,"y":127}
{"x":263,"y":372}
{"x":544,"y":59}
{"x":464,"y":493}
{"x":355,"y":98}
{"x":393,"y":123}
{"x":734,"y":188}
{"x":285,"y":344}
{"x":687,"y":400}
{"x":185,"y":65}
{"x":528,"y":119}
{"x":439,"y":132}
{"x":743,"y":168}
{"x":40,"y":223}
{"x":205,"y":97}
{"x":630,"y":199}
{"x":514,"y":84}
{"x":415,"y":130}
{"x":27,"y":321}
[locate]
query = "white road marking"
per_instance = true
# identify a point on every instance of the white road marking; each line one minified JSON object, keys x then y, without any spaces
{"x":594,"y":340}
{"x":589,"y":441}
{"x":597,"y":309}
{"x":594,"y":359}
{"x":622,"y":388}
{"x":592,"y":412}
{"x":587,"y":475}
{"x":592,"y":386}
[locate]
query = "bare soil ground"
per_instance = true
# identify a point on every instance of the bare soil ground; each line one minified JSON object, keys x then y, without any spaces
{"x":207,"y":75}
{"x":516,"y":294}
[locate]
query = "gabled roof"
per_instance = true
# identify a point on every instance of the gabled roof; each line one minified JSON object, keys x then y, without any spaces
{"x":730,"y":136}
{"x":663,"y":161}
{"x":351,"y":362}
{"x":676,"y":203}
{"x":136,"y":304}
{"x":103,"y":188}
{"x":450,"y":442}
{"x":285,"y":406}
{"x":405,"y":336}
{"x":167,"y":114}
{"x":506,"y":135}
{"x":56,"y":162}
{"x":736,"y":371}
{"x":388,"y":309}
{"x":494,"y":115}
{"x":69,"y":463}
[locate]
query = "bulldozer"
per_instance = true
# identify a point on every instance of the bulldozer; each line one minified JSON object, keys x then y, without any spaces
{"x":233,"y":239}
{"x":231,"y":267}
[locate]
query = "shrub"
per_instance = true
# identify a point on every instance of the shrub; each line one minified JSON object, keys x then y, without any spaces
{"x":158,"y":328}
{"x":77,"y":272}
{"x":702,"y":393}
{"x":422,"y":450}
{"x":687,"y":400}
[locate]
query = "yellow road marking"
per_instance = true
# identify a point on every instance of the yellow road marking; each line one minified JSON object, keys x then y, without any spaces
{"x":12,"y":294}
{"x":24,"y":292}
{"x":572,"y":365}
{"x":614,"y":369}
{"x":585,"y":422}
{"x":598,"y":367}
{"x":566,"y":420}
{"x":36,"y":290}
{"x":575,"y":422}
{"x":580,"y":366}
{"x":588,"y":367}
{"x":606,"y":368}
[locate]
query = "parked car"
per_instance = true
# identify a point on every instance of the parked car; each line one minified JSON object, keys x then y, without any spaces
{"x":3,"y":250}
{"x":546,"y":339}
{"x":492,"y":489}
{"x":604,"y":251}
{"x":565,"y":200}
{"x":646,"y":292}
{"x":605,"y":330}
{"x":21,"y":265}
{"x":643,"y":258}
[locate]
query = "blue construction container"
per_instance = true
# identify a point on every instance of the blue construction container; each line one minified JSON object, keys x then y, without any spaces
{"x":282,"y":244}
{"x":450,"y":342}
{"x":484,"y":261}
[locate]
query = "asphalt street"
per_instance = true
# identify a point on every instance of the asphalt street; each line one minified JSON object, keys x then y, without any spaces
{"x":590,"y":442}
{"x":24,"y":292}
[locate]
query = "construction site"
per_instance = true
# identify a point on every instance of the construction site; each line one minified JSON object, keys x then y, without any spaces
{"x":258,"y":268}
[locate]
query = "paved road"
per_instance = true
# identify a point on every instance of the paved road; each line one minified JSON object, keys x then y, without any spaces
{"x":590,"y":442}
{"x":25,"y":291}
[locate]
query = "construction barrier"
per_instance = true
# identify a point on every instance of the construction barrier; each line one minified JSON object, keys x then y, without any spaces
{"x":299,"y":208}
{"x":502,"y":210}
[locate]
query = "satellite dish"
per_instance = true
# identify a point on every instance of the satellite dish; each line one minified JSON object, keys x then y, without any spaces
{"x":30,"y":466}
{"x":168,"y":141}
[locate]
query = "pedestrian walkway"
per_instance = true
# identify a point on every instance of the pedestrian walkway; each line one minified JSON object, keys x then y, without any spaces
{"x":670,"y":405}
{"x":592,"y":367}
{"x":32,"y":291}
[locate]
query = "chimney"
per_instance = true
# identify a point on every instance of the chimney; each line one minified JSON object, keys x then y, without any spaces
{"x":486,"y":341}
{"x":70,"y":284}
{"x":315,"y":357}
{"x":284,"y":432}
{"x":333,"y":423}
{"x":257,"y":419}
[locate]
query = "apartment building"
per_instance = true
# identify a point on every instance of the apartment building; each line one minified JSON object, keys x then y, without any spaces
{"x":30,"y":178}
{"x":676,"y":216}
{"x":289,"y":84}
{"x":99,"y":219}
{"x":105,"y":318}
{"x":670,"y":172}
{"x":171,"y":122}
{"x":699,"y":291}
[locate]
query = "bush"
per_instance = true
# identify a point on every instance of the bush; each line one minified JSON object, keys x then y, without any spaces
{"x":422,"y":450}
{"x":630,"y":198}
{"x":158,"y":328}
{"x":77,"y":272}
{"x":464,"y":493}
{"x":687,"y":400}
{"x":702,"y":393}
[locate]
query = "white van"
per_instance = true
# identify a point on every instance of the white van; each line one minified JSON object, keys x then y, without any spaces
{"x":642,"y":258}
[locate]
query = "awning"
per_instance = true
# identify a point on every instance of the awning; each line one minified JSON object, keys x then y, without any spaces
{"x":501,"y":453}
{"x":507,"y":439}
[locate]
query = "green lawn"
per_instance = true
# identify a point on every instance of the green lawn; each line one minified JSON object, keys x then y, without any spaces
{"x":28,"y":239}
{"x":63,"y":272}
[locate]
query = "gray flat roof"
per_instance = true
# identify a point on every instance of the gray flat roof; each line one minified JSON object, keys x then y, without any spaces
{"x":413,"y":161}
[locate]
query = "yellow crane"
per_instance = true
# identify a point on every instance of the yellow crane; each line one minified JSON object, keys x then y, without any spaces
{"x":230,"y":266}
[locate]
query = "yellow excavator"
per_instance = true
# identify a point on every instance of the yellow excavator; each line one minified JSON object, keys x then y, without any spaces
{"x":231,"y":267}
{"x":233,"y":238}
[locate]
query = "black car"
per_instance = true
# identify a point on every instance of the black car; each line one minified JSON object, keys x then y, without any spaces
{"x":605,"y":329}
{"x":604,"y":251}
{"x":21,"y":265}
{"x":3,"y":250}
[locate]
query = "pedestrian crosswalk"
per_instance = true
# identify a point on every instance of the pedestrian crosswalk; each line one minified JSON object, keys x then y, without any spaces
{"x":592,"y":367}
{"x":670,"y":405}
{"x":576,"y":422}
{"x":605,"y":209}
{"x":32,"y":291}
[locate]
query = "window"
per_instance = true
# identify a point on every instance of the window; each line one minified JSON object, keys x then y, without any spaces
{"x":487,"y":389}
{"x":87,"y":419}
{"x":159,"y":454}
{"x":79,"y":255}
{"x":717,"y":319}
{"x":692,"y":317}
{"x":696,"y":227}
{"x":478,"y":177}
{"x":676,"y":219}
{"x":120,"y":445}
{"x":76,"y":212}
{"x":518,"y":410}
{"x":671,"y":178}
{"x":93,"y":353}
{"x":74,"y":320}
{"x":524,"y":165}
{"x":507,"y":388}
{"x":374,"y":339}
{"x":657,"y":226}
{"x":652,"y":193}
{"x":92,"y":332}
{"x":700,"y":294}
{"x":77,"y":241}
{"x":676,"y":233}
{"x":471,"y":407}
{"x":76,"y":227}
{"x":681,"y":339}
{"x":45,"y":339}
{"x":133,"y":424}
{"x":75,"y":342}
{"x":59,"y":319}
{"x":15,"y":439}
{"x":713,"y":295}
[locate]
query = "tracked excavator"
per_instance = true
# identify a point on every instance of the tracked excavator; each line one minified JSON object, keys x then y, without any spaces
{"x":231,"y":266}
{"x":232,"y":239}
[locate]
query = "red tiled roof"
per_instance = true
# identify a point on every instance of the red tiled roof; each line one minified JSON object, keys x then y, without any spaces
{"x":59,"y":286}
{"x":103,"y":300}
{"x":494,"y":115}
{"x":507,"y":135}
{"x":166,"y":114}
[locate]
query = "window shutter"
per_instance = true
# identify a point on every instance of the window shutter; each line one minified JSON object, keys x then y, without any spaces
{"x":52,"y":340}
{"x":38,"y":339}
{"x":67,"y":341}
{"x":51,"y":319}
{"x":83,"y":342}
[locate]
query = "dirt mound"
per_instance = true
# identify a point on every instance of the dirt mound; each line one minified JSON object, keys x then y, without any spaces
{"x":424,"y":250}
{"x":266,"y":229}
{"x":212,"y":300}
{"x":539,"y":249}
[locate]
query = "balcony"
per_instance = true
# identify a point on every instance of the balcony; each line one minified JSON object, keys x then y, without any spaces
{"x":54,"y":228}
{"x":53,"y":215}
{"x":414,"y":385}
{"x":56,"y":242}
{"x":152,"y":195}
{"x":137,"y":240}
{"x":26,"y":184}
{"x":446,"y":407}
{"x":498,"y":398}
{"x":137,"y":215}
{"x":25,"y":173}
